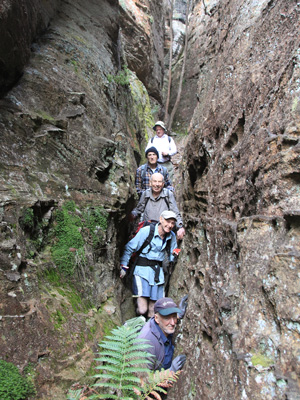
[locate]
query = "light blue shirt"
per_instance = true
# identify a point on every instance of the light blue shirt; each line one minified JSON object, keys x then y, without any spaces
{"x":156,"y":252}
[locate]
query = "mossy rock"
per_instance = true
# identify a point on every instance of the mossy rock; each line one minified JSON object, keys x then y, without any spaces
{"x":13,"y":386}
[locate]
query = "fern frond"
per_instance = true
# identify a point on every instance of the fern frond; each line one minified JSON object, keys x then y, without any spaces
{"x":155,"y":395}
{"x":139,"y":346}
{"x":108,"y":359}
{"x":111,"y":368}
{"x":138,"y":354}
{"x":111,"y":377}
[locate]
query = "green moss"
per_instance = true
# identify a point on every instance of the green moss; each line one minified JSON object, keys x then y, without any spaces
{"x":59,"y":319}
{"x":96,"y":221}
{"x":68,"y":238}
{"x":28,"y":218}
{"x":122,"y":77}
{"x":44,"y":115}
{"x":71,"y":226}
{"x":13,"y":386}
{"x":75,"y":65}
{"x":52,"y":275}
{"x":108,"y":326}
{"x":261,"y":359}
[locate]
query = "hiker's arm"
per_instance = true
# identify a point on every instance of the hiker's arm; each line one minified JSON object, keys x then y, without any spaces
{"x":139,"y":209}
{"x":138,"y":181}
{"x":168,"y":184}
{"x":174,"y":208}
{"x":180,"y":233}
{"x":134,"y":245}
{"x":173,"y":246}
{"x":173,"y":148}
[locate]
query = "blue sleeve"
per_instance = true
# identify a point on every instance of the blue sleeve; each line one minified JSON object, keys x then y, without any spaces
{"x":135,"y":244}
{"x":173,"y":246}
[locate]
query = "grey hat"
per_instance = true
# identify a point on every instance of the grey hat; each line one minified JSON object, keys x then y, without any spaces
{"x":166,"y":306}
{"x":167,"y":214}
{"x":159,"y":123}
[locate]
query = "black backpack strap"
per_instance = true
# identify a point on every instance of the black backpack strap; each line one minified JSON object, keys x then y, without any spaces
{"x":146,"y":201}
{"x":164,"y":172}
{"x":143,"y":171}
{"x":148,"y":239}
{"x":167,"y":200}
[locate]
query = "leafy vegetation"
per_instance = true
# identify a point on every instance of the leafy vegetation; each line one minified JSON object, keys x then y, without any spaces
{"x":123,"y":359}
{"x":72,"y":230}
{"x":122,"y":77}
{"x":13,"y":386}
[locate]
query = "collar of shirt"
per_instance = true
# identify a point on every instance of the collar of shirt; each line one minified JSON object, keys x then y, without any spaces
{"x":163,"y":136}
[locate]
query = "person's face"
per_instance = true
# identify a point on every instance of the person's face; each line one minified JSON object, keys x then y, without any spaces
{"x":152,"y":158}
{"x":166,"y":323}
{"x":159,"y":131}
{"x":167,"y":224}
{"x":157,"y":183}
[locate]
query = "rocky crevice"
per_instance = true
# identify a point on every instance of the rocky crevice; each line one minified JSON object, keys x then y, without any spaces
{"x":73,"y":129}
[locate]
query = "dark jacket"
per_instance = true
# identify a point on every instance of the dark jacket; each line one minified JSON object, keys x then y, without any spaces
{"x":156,"y":345}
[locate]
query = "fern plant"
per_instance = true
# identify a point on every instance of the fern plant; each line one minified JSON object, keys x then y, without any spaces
{"x":124,"y":359}
{"x":124,"y":356}
{"x":156,"y":382}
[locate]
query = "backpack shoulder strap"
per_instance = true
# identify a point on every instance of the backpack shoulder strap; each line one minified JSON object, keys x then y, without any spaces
{"x":143,"y":171}
{"x":152,"y":140}
{"x":148,"y":239}
{"x":166,"y":198}
{"x":164,"y":171}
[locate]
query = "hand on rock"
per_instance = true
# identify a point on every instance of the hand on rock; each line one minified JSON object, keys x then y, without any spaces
{"x":178,"y":363}
{"x":180,"y":233}
{"x":123,"y":271}
{"x":183,"y":306}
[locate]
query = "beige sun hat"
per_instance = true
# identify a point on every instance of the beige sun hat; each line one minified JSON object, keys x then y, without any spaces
{"x":159,"y":123}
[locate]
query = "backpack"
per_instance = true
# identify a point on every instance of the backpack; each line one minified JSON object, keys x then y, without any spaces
{"x":168,"y":139}
{"x":134,"y":257}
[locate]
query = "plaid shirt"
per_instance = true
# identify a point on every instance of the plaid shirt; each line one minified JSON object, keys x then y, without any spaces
{"x":143,"y":183}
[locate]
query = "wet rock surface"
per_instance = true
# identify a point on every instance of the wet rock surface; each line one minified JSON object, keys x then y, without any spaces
{"x":71,"y":132}
{"x":240,"y":259}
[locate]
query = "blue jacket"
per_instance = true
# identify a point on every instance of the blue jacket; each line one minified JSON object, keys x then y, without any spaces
{"x":157,"y":252}
{"x":156,"y":346}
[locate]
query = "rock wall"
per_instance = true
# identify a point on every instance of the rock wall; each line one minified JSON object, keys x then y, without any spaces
{"x":240,"y":259}
{"x":72,"y":129}
{"x":21,"y":22}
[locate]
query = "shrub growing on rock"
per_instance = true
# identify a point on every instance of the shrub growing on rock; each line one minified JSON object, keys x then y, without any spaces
{"x":13,"y":386}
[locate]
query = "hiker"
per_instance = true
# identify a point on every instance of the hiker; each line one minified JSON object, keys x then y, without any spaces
{"x":148,"y":274}
{"x":165,"y":146}
{"x":144,"y":172}
{"x":158,"y":332}
{"x":155,"y":200}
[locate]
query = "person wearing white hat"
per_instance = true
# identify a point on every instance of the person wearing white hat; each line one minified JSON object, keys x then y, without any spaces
{"x":165,"y":146}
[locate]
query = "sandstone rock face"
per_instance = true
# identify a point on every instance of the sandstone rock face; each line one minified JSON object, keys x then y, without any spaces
{"x":72,"y":129}
{"x":142,"y":31}
{"x":240,"y":260}
{"x":20,"y":23}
